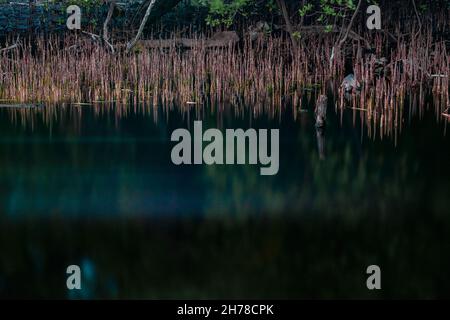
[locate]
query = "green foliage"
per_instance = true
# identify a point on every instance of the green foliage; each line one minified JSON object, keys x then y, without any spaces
{"x":328,"y":12}
{"x":297,"y":35}
{"x":305,"y":9}
{"x":222,"y":12}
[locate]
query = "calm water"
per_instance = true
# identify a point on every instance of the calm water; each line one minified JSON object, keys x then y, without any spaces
{"x":96,"y":187}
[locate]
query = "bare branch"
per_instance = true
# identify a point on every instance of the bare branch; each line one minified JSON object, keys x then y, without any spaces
{"x":417,"y":15}
{"x":344,"y":38}
{"x":93,"y":36}
{"x":341,"y":42}
{"x":313,"y":29}
{"x":112,"y":5}
{"x":15,"y":45}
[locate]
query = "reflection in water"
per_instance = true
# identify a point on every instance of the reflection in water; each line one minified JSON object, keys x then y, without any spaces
{"x":94,"y":185}
{"x":320,"y":134}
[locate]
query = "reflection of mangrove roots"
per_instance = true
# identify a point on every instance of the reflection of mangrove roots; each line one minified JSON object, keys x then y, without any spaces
{"x":321,"y":117}
{"x":320,"y":134}
{"x":20,"y":106}
{"x":321,"y":111}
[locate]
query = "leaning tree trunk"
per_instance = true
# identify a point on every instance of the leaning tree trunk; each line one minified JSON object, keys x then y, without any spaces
{"x":133,"y":42}
{"x":287,"y":20}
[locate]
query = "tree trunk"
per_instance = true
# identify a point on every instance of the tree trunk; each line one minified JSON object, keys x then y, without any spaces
{"x":133,"y":42}
{"x":287,"y":21}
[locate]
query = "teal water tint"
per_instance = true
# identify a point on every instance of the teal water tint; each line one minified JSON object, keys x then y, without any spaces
{"x":99,"y":189}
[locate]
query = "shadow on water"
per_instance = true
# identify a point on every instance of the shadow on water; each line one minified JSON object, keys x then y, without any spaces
{"x":95,"y":186}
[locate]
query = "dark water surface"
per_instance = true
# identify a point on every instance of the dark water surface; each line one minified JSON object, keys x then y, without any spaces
{"x":95,"y":187}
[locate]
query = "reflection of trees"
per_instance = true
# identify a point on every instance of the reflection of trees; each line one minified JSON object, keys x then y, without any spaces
{"x":321,"y":223}
{"x":352,"y":180}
